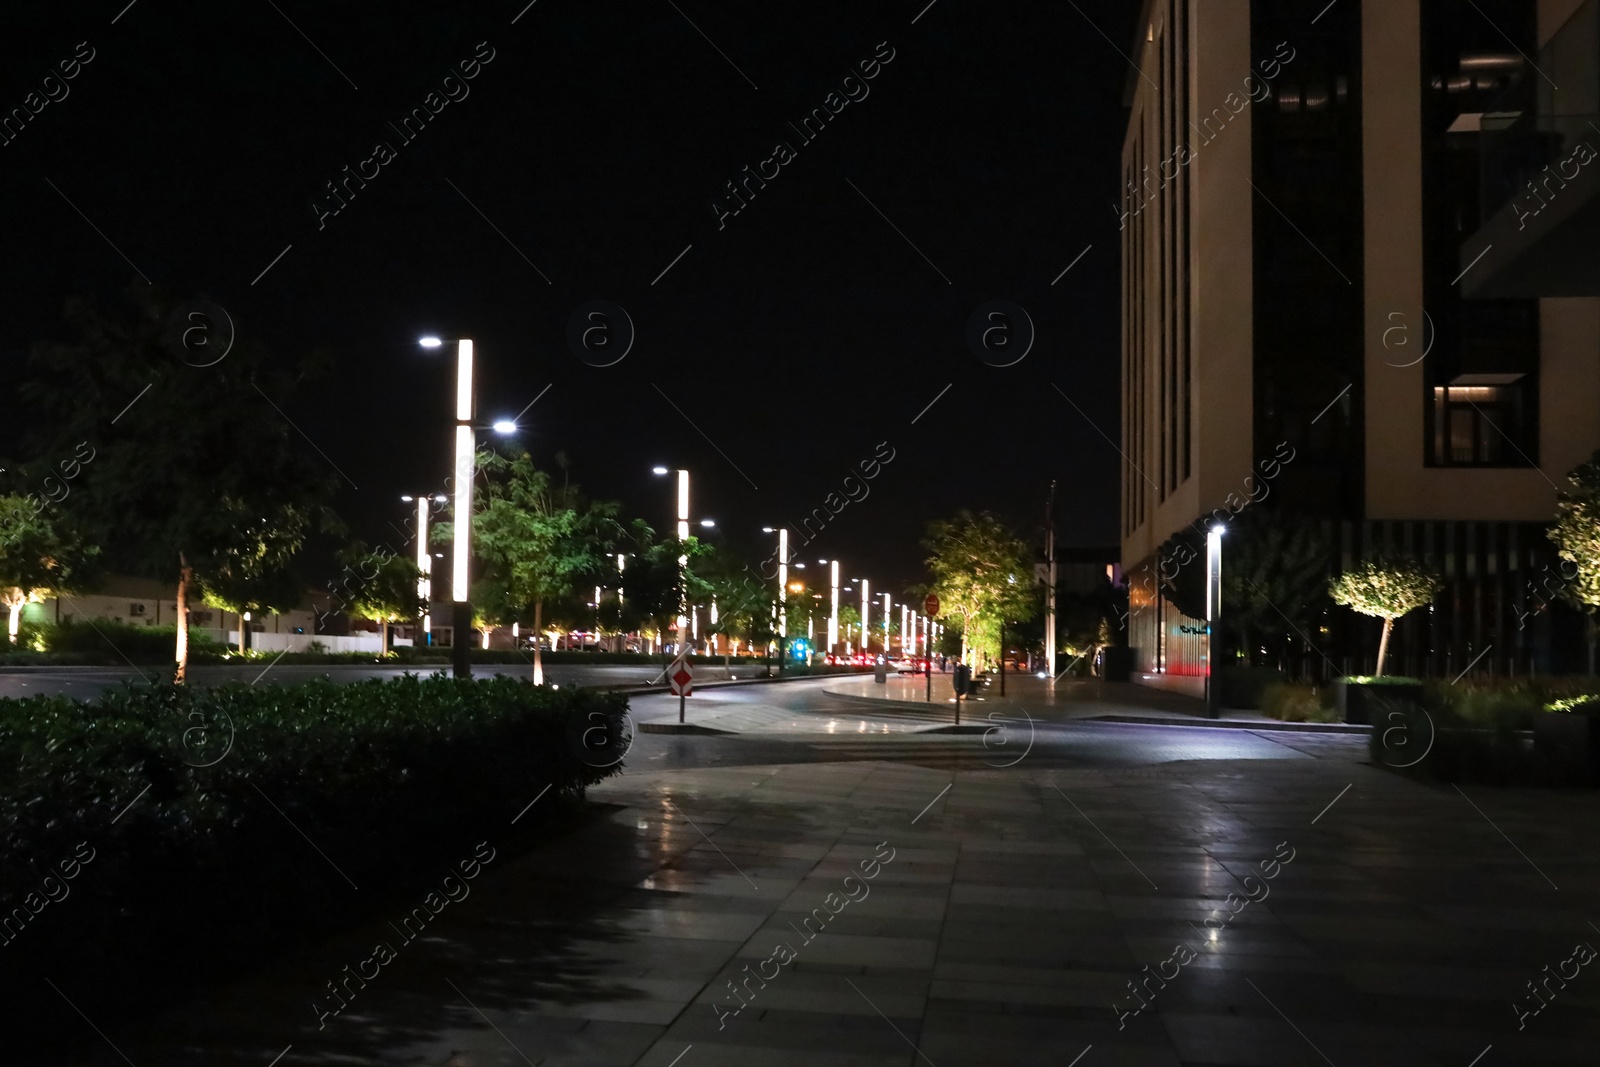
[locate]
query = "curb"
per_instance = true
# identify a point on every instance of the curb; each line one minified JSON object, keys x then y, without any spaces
{"x":1140,"y":720}
{"x":680,"y":728}
{"x":1234,"y":724}
{"x":627,"y":688}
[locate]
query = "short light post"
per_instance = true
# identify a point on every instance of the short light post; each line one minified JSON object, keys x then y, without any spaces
{"x":1213,"y":613}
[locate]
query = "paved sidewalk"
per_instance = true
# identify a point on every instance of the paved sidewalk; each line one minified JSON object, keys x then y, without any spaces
{"x":1066,"y":699}
{"x":872,"y":914}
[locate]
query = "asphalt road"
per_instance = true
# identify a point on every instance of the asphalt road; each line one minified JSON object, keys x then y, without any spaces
{"x":83,"y":683}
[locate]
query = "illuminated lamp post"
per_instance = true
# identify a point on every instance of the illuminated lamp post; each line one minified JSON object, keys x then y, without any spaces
{"x":1213,"y":611}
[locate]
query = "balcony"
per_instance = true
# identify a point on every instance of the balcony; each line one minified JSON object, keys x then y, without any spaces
{"x":1539,"y":153}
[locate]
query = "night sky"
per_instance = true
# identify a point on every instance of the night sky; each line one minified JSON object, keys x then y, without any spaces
{"x":580,"y":160}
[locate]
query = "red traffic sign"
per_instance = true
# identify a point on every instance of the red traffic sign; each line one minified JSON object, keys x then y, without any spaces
{"x":930,"y":606}
{"x":681,"y":678}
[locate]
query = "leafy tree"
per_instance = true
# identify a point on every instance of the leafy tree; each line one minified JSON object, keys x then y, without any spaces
{"x":252,"y":576}
{"x":197,"y":473}
{"x":1576,"y":533}
{"x":982,"y":575}
{"x":1386,"y":587}
{"x":37,"y":556}
{"x":386,"y":592}
{"x":744,"y":602}
{"x":541,"y":543}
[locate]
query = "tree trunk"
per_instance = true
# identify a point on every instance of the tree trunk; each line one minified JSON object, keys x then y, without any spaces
{"x":181,"y":653}
{"x":383,"y":637}
{"x":14,"y":626}
{"x":538,"y":642}
{"x":1383,"y":646}
{"x":241,"y":633}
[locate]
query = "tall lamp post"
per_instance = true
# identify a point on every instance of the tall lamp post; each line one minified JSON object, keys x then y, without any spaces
{"x":1050,"y":582}
{"x":783,"y":588}
{"x":833,"y":619}
{"x":465,"y":470}
{"x":424,"y":560}
{"x":888,"y":606}
{"x":683,"y":560}
{"x":1213,"y":612}
{"x":465,"y":474}
{"x":866,"y":617}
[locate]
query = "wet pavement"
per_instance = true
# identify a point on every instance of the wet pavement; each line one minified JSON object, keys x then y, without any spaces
{"x":830,"y":892}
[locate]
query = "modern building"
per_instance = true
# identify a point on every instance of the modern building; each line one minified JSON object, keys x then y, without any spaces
{"x":1307,"y":322}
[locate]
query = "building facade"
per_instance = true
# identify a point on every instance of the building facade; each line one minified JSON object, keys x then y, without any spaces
{"x":1303,"y":333}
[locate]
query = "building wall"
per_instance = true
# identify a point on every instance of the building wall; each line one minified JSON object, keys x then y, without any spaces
{"x":1187,"y":294}
{"x":1399,"y":484}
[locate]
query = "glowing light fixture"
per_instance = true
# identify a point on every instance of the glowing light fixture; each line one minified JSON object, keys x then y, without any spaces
{"x":429,"y":342}
{"x":504,"y":426}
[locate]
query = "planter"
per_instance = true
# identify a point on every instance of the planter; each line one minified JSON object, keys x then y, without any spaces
{"x":1366,"y":702}
{"x":1116,"y":663}
{"x":1570,"y":740}
{"x":1242,"y":687}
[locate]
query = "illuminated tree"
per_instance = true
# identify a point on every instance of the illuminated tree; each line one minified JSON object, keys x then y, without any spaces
{"x":540,"y":543}
{"x":982,"y":575}
{"x":385,"y":589}
{"x":1385,"y":588}
{"x":1577,"y":533}
{"x":37,"y":557}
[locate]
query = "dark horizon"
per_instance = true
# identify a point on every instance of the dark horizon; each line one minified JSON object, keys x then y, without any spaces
{"x":589,"y":157}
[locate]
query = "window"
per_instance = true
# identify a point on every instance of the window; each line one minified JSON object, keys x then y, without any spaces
{"x":1482,"y":420}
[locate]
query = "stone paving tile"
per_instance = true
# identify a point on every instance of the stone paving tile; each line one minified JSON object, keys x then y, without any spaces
{"x":1004,"y":928}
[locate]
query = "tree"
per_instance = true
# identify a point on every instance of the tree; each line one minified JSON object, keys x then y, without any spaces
{"x":200,"y":475}
{"x":387,"y":589}
{"x":982,"y":575}
{"x":252,"y":576}
{"x":1386,"y":587}
{"x":1576,"y":535}
{"x":540,"y":543}
{"x":37,"y":556}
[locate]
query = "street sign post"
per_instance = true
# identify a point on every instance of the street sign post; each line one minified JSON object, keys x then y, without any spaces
{"x":680,"y":678}
{"x":930,"y":606}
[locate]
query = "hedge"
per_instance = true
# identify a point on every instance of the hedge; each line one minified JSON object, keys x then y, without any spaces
{"x":186,"y":797}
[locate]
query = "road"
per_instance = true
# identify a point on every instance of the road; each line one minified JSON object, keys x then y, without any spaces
{"x":83,"y":683}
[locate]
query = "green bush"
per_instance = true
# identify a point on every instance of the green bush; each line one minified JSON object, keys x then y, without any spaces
{"x":104,"y":641}
{"x":208,"y":865}
{"x":1297,"y":703}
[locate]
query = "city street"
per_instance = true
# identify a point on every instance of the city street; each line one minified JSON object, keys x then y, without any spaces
{"x":83,"y":683}
{"x":993,"y":908}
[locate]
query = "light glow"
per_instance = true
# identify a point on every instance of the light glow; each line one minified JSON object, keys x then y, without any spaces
{"x":505,"y":426}
{"x":429,"y":342}
{"x":463,"y":517}
{"x":464,"y":380}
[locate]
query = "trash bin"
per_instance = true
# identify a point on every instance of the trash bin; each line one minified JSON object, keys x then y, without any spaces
{"x":880,"y":673}
{"x":963,"y":679}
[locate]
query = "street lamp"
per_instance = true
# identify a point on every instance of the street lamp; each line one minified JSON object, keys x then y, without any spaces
{"x":683,"y":560}
{"x":465,"y":471}
{"x":833,"y":619}
{"x":1213,"y":610}
{"x":866,"y":617}
{"x":424,"y":561}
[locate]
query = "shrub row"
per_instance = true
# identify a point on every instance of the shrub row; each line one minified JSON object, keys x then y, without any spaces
{"x":230,"y":793}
